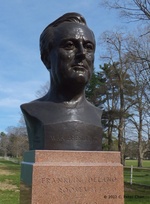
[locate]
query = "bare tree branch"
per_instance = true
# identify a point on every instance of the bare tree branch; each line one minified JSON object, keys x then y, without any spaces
{"x":137,"y":10}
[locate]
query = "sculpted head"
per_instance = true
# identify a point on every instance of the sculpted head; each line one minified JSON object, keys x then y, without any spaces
{"x":67,"y":49}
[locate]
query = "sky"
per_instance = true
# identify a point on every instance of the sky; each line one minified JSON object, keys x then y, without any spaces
{"x":21,"y":71}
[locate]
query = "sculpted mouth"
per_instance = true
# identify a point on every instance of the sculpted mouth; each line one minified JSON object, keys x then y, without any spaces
{"x":79,"y":68}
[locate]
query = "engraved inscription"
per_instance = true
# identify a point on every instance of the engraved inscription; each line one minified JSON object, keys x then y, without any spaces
{"x":74,"y":136}
{"x":68,"y":185}
{"x":78,"y":186}
{"x":79,"y":189}
{"x":73,"y":180}
{"x":89,"y":132}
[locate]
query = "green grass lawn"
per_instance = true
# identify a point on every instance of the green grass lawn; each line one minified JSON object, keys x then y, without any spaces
{"x":9,"y":182}
{"x":146,"y":163}
{"x":139,"y":191}
{"x":137,"y":194}
{"x":134,"y":194}
{"x":140,"y":176}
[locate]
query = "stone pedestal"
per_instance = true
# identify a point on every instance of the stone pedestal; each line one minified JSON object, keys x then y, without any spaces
{"x":71,"y":177}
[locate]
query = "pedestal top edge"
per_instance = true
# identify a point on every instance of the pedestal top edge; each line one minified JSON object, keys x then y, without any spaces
{"x":71,"y":156}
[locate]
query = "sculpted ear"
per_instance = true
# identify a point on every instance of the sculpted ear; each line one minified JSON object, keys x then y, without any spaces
{"x":46,"y":60}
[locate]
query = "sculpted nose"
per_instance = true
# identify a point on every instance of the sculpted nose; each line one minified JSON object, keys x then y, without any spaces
{"x":80,"y":52}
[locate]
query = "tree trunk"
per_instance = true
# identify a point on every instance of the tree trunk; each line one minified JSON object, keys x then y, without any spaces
{"x":120,"y":141}
{"x":139,"y":159}
{"x":140,"y":140}
{"x":5,"y":154}
{"x":121,"y":124}
{"x":110,"y":142}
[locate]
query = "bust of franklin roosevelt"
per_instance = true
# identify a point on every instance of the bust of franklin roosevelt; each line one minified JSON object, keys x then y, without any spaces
{"x":63,"y":119}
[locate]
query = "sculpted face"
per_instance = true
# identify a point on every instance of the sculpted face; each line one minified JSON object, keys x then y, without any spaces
{"x":72,"y":55}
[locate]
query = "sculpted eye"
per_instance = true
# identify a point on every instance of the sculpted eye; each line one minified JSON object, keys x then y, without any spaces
{"x":89,"y":46}
{"x":69,"y":45}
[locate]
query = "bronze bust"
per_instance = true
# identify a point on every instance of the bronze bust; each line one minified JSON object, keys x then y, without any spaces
{"x":63,"y":119}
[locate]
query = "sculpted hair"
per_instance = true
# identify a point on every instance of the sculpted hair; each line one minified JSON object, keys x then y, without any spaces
{"x":46,"y":38}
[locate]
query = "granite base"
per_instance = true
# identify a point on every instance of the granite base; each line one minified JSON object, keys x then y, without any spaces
{"x":71,"y":177}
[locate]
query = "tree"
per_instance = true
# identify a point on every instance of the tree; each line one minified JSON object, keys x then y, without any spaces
{"x":17,"y":145}
{"x":18,"y":141}
{"x":93,"y":89}
{"x":98,"y":92}
{"x":136,"y":10}
{"x":4,"y":144}
{"x":138,"y":54}
{"x":131,"y":149}
{"x":132,"y":10}
{"x":109,"y":100}
{"x":115,"y":44}
{"x":138,"y":68}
